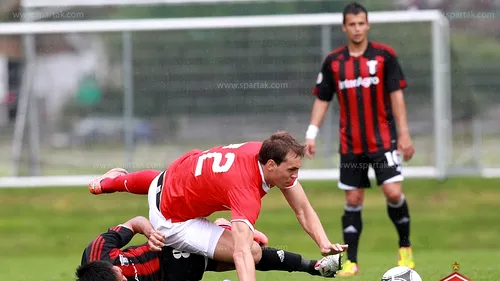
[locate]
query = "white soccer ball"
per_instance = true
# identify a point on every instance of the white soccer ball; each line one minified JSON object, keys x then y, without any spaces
{"x":401,"y":273}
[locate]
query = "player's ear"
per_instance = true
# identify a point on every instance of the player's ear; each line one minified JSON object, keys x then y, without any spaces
{"x":271,"y":165}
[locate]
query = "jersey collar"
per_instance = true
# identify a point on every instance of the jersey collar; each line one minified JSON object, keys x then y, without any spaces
{"x":367,"y":53}
{"x":265,"y":186}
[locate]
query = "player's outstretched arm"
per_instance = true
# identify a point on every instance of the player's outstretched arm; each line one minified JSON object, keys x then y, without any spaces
{"x":242,"y":256}
{"x":143,"y":226}
{"x":309,"y":220}
{"x":106,"y":246}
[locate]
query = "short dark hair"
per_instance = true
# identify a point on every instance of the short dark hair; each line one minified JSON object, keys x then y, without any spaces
{"x":96,"y":271}
{"x":278,"y":145}
{"x":354,"y":8}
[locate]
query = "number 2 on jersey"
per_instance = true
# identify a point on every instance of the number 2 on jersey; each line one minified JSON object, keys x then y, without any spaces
{"x":217,"y":156}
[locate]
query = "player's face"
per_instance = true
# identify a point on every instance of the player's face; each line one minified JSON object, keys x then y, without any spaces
{"x":119,"y":274}
{"x":285,"y":173}
{"x":356,"y":27}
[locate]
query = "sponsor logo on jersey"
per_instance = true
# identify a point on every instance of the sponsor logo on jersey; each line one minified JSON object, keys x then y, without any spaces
{"x":365,"y":82}
{"x":124,"y":260}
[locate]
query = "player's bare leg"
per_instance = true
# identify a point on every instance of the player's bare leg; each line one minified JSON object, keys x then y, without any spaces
{"x":397,"y":209}
{"x":119,"y":180}
{"x":271,"y":259}
{"x":352,"y":226}
{"x":258,"y":236}
{"x":224,"y":249}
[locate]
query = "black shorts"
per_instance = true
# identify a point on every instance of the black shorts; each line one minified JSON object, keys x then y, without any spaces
{"x":181,"y":266}
{"x":354,"y":169}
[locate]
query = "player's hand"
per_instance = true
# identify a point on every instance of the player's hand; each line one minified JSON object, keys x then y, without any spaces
{"x":405,"y":146}
{"x":333,"y":249}
{"x":310,"y":148}
{"x":156,"y":240}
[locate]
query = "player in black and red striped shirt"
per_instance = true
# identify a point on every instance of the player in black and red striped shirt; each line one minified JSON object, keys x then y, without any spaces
{"x":104,"y":259}
{"x":368,"y":81}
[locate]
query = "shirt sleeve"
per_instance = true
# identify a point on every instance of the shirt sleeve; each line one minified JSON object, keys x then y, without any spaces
{"x":108,"y":245}
{"x":325,"y":84}
{"x":394,"y":76}
{"x":245,"y":205}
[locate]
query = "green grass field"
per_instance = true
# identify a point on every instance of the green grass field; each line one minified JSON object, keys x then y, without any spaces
{"x":43,"y":231}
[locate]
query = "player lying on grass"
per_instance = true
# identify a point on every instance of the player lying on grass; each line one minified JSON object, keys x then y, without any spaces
{"x":104,"y":259}
{"x":233,"y":177}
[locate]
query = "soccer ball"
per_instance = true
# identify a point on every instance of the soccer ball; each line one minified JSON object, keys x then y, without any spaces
{"x":401,"y":273}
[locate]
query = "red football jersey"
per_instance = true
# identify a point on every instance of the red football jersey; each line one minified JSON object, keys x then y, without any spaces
{"x":200,"y":183}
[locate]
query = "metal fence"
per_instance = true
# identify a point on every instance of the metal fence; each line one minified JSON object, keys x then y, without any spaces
{"x":201,"y":88}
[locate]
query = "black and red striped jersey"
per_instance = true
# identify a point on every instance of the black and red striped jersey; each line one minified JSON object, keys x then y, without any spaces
{"x":138,"y":263}
{"x":363,"y":86}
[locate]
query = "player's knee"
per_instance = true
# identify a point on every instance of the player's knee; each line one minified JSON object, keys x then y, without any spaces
{"x":354,"y":202}
{"x":393,"y":198}
{"x":256,"y":252}
{"x":393,"y":192}
{"x":354,"y":197}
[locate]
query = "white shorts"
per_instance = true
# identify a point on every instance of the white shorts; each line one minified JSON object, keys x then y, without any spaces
{"x":198,"y":236}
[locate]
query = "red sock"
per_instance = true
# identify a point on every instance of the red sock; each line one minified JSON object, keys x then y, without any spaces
{"x":136,"y":182}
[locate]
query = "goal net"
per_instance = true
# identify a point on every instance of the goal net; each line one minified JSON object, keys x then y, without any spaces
{"x":139,"y":93}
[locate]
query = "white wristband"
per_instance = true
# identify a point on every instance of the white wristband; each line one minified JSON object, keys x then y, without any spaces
{"x":312,"y":132}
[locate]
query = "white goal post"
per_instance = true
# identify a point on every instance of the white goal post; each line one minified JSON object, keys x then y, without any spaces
{"x":440,"y":72}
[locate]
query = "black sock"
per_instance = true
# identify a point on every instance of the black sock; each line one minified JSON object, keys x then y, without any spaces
{"x":400,"y":216}
{"x":352,"y":226}
{"x":279,"y":260}
{"x":211,"y":265}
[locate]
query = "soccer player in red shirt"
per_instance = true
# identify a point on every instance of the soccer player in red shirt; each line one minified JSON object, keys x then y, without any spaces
{"x":233,"y":177}
{"x":368,"y":81}
{"x":105,"y":260}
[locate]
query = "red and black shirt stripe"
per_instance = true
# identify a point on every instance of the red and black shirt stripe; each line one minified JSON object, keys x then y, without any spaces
{"x":363,"y":86}
{"x":138,"y":263}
